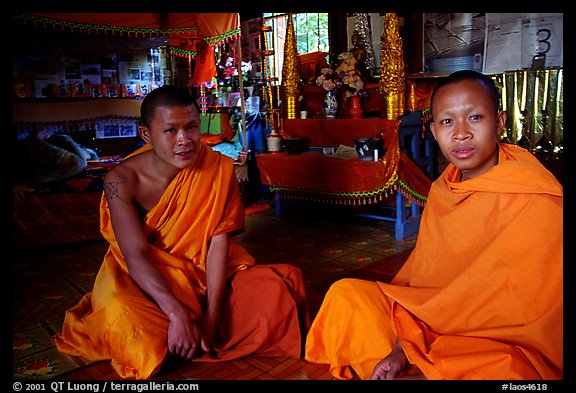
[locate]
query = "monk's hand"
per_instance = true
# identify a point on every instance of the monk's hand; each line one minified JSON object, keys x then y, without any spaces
{"x":184,"y":336}
{"x":389,"y":367}
{"x":386,"y":369}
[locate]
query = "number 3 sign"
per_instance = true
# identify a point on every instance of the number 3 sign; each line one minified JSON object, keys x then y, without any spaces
{"x":542,"y":36}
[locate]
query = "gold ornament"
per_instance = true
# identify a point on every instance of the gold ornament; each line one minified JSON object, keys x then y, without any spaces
{"x":392,"y":73}
{"x":362,"y":24}
{"x":290,"y":72}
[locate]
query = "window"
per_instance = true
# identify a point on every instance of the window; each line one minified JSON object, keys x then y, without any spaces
{"x":311,"y":30}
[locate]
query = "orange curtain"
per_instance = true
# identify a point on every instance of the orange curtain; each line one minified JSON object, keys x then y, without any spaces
{"x":217,"y":24}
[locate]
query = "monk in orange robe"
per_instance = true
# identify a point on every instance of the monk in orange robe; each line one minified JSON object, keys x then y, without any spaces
{"x":480,"y":296}
{"x":173,"y":284}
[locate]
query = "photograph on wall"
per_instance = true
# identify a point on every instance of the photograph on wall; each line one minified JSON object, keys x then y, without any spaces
{"x":134,"y":74}
{"x":91,"y":73}
{"x":116,"y":129}
{"x":109,"y":76}
{"x":146,"y":76}
{"x":453,"y":41}
{"x":73,"y":71}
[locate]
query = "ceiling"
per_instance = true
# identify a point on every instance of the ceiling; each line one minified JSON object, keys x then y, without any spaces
{"x":34,"y":40}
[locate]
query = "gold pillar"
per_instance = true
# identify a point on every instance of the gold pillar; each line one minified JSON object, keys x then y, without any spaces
{"x":533,"y":101}
{"x":290,"y":73}
{"x":392,"y":73}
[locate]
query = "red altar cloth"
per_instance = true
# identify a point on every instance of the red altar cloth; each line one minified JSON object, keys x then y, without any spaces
{"x":313,"y":176}
{"x":334,"y":132}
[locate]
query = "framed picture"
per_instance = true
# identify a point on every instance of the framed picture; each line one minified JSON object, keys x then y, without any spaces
{"x":453,"y":41}
{"x":134,"y":74}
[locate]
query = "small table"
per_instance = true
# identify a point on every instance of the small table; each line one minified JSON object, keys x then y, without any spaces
{"x":313,"y":177}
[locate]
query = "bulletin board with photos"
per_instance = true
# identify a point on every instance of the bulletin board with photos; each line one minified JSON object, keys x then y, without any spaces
{"x":127,"y":53}
{"x":78,"y":75}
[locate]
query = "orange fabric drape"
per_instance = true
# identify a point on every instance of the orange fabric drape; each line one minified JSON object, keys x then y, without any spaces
{"x":215,"y":24}
{"x":418,"y":93}
{"x":480,"y":296}
{"x":205,"y":65}
{"x":313,"y":171}
{"x":117,"y":321}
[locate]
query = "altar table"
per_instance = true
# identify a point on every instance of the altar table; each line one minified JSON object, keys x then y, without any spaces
{"x":314,"y":177}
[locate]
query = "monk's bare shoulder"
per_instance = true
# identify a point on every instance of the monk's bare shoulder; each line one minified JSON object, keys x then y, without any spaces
{"x":121,"y":181}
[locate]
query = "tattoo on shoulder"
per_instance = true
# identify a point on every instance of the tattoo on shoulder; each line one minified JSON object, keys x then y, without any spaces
{"x":111,"y":190}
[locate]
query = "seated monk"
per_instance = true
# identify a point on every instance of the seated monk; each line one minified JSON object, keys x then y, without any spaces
{"x":173,"y":284}
{"x":480,"y":296}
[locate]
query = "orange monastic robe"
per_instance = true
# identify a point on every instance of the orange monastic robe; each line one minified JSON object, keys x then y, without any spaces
{"x":117,"y":321}
{"x":480,"y":296}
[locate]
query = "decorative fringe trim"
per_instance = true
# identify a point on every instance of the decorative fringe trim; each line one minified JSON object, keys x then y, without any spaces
{"x":182,"y":52}
{"x":351,"y":198}
{"x":203,"y":100}
{"x":410,"y":194}
{"x":107,"y":29}
{"x":336,"y":198}
{"x":225,"y":38}
{"x":426,"y":119}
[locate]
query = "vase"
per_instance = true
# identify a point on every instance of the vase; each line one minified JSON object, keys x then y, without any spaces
{"x":355,"y":107}
{"x":330,"y":103}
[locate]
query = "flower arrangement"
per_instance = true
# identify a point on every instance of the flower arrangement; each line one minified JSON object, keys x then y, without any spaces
{"x":228,"y":72}
{"x":345,"y":75}
{"x":350,"y":77}
{"x":327,"y":79}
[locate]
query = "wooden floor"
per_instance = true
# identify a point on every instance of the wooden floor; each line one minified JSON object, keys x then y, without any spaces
{"x":325,"y":243}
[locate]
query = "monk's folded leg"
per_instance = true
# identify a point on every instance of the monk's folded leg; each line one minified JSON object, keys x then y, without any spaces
{"x":292,"y":277}
{"x":352,"y":330}
{"x":262,"y":313}
{"x":130,"y":331}
{"x":139,"y":339}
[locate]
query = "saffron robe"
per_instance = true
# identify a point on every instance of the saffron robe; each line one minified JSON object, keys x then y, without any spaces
{"x":264,"y":312}
{"x":479,"y":297}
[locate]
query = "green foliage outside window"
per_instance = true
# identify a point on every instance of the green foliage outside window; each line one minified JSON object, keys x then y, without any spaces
{"x":311,"y":31}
